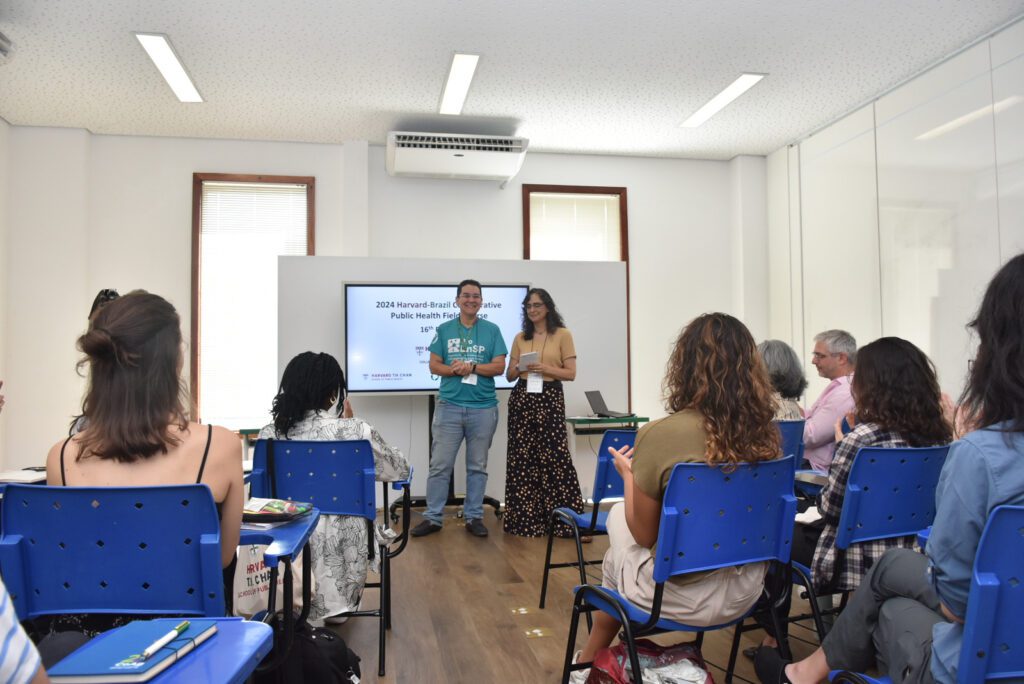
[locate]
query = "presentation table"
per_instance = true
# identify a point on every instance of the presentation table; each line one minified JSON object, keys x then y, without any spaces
{"x":596,"y":425}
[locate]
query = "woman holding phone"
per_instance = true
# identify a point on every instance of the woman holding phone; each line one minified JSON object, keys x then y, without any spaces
{"x":540,"y":476}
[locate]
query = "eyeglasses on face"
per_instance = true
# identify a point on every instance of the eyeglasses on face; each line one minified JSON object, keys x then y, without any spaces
{"x":819,"y":356}
{"x":537,"y":305}
{"x":470,"y":295}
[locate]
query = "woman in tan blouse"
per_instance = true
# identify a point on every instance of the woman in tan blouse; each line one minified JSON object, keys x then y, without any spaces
{"x":540,"y":476}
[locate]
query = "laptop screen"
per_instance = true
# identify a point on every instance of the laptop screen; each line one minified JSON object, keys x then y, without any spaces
{"x":597,"y":404}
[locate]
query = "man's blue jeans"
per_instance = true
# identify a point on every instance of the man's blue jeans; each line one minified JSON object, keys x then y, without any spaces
{"x":451,"y":425}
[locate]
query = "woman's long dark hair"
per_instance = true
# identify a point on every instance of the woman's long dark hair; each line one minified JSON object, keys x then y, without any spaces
{"x":134,"y":395}
{"x":310,"y":380}
{"x":995,"y":382}
{"x":715,"y":370}
{"x":553,"y":320}
{"x":895,"y":386}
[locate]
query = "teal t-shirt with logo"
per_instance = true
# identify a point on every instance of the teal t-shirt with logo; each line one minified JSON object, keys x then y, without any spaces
{"x":478,"y":344}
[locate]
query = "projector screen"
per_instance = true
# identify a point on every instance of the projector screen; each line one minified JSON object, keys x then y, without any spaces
{"x":389,"y":327}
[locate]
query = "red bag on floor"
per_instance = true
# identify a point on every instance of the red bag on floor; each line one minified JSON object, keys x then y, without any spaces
{"x":660,"y":664}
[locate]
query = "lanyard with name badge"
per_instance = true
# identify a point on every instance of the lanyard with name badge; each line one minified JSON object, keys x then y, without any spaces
{"x":535,"y":380}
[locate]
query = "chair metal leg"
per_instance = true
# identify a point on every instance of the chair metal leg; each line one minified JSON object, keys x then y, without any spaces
{"x":734,"y":651}
{"x":547,"y":562}
{"x":385,"y":593}
{"x":634,"y":658}
{"x":812,"y":598}
{"x":583,"y":569}
{"x":385,"y":578}
{"x":574,"y":624}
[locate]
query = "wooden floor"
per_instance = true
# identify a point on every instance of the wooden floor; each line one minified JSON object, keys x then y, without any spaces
{"x":454,"y":612}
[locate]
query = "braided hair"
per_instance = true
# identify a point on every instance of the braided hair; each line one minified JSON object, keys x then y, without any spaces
{"x":310,"y":380}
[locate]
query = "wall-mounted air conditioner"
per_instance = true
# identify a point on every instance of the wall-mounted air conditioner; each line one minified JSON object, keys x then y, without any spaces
{"x":446,"y":155}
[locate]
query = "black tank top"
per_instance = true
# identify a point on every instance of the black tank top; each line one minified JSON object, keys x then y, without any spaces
{"x":199,"y":477}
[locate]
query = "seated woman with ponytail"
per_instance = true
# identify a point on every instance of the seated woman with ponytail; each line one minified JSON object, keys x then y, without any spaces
{"x":311,"y":405}
{"x":137,"y":429}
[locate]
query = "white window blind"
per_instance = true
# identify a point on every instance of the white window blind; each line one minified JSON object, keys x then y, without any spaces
{"x":578,"y":227}
{"x":244,"y":228}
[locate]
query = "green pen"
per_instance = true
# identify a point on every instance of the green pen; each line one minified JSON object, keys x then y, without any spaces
{"x":164,"y":640}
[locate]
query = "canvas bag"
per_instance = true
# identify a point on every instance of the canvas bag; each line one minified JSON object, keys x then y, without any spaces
{"x":677,"y":664}
{"x":252,"y":582}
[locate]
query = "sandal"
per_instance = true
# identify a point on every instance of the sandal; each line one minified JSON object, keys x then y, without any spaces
{"x":586,"y":539}
{"x":770,"y":666}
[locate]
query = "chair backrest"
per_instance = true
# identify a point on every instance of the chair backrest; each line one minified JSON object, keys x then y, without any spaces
{"x":712,"y":517}
{"x":993,"y":641}
{"x":336,"y":477}
{"x":792,"y":432}
{"x":607,"y":481}
{"x":143,"y":550}
{"x":890,"y":493}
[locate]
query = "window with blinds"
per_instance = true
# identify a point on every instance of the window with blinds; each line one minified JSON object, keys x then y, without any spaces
{"x":574,"y":225}
{"x":243,"y":224}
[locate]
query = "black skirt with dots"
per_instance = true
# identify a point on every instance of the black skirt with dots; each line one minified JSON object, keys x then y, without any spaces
{"x":540,"y":476}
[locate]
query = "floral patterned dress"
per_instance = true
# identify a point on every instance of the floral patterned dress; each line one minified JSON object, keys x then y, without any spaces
{"x":338,"y":547}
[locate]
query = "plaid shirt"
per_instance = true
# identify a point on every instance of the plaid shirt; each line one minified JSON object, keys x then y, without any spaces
{"x":834,"y":568}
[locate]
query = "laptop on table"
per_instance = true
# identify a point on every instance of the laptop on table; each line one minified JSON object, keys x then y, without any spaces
{"x":599,"y":408}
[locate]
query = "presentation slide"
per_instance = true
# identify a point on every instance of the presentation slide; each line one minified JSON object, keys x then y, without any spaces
{"x":389,"y":327}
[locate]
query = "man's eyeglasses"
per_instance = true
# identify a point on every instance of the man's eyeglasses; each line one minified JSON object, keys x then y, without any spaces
{"x":533,"y":306}
{"x":467,"y":295}
{"x":819,"y":356}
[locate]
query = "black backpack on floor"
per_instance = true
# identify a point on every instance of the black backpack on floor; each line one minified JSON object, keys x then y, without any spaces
{"x":317,"y":656}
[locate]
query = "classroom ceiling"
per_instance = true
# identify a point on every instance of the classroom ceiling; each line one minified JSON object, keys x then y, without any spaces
{"x":597,"y":77}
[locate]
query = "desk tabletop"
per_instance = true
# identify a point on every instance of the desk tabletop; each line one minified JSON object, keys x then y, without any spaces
{"x":230,"y":655}
{"x":601,"y":420}
{"x":284,"y":540}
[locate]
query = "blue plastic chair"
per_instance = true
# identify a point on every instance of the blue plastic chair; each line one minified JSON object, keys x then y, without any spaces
{"x":122,"y":550}
{"x":792,"y":432}
{"x":993,"y":641}
{"x":710,"y":518}
{"x":338,"y":478}
{"x":607,"y":485}
{"x":890,"y":493}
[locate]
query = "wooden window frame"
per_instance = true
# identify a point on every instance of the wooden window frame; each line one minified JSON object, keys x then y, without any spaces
{"x":529,"y":189}
{"x":197,"y":220}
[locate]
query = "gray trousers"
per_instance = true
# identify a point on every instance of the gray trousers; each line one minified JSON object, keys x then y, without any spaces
{"x":888,"y":618}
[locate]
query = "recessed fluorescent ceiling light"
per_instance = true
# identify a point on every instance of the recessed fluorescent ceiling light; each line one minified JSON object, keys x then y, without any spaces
{"x":159,"y":49}
{"x":722,"y":99}
{"x":457,"y":87}
{"x":968,"y":118}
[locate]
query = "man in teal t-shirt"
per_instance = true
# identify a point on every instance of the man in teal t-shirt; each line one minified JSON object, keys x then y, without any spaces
{"x":467,"y":352}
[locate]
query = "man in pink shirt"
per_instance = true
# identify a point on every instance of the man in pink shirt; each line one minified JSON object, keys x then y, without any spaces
{"x":834,"y":355}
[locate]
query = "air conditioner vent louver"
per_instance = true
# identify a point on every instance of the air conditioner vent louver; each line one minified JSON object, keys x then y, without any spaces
{"x":441,"y":155}
{"x":443,"y":142}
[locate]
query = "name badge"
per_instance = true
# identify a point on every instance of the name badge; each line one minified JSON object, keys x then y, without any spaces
{"x":535,"y":383}
{"x":469,"y":379}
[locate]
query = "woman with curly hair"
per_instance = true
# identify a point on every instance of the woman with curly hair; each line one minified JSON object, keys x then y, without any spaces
{"x":898,"y":403}
{"x":720,"y":406}
{"x":312,"y":385}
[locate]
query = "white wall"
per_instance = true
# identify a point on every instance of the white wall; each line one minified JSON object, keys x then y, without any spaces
{"x":4,"y":266}
{"x":906,"y":208}
{"x":87,"y":211}
{"x":680,"y":244}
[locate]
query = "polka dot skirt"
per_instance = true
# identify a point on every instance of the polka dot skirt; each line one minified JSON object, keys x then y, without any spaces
{"x":540,"y":476}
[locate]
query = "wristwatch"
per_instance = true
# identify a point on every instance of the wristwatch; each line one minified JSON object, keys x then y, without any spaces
{"x":474,"y":369}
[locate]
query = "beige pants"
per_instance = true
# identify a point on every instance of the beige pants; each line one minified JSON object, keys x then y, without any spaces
{"x":712,"y":599}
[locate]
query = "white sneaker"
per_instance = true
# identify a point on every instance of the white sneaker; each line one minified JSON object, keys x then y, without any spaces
{"x":578,"y":676}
